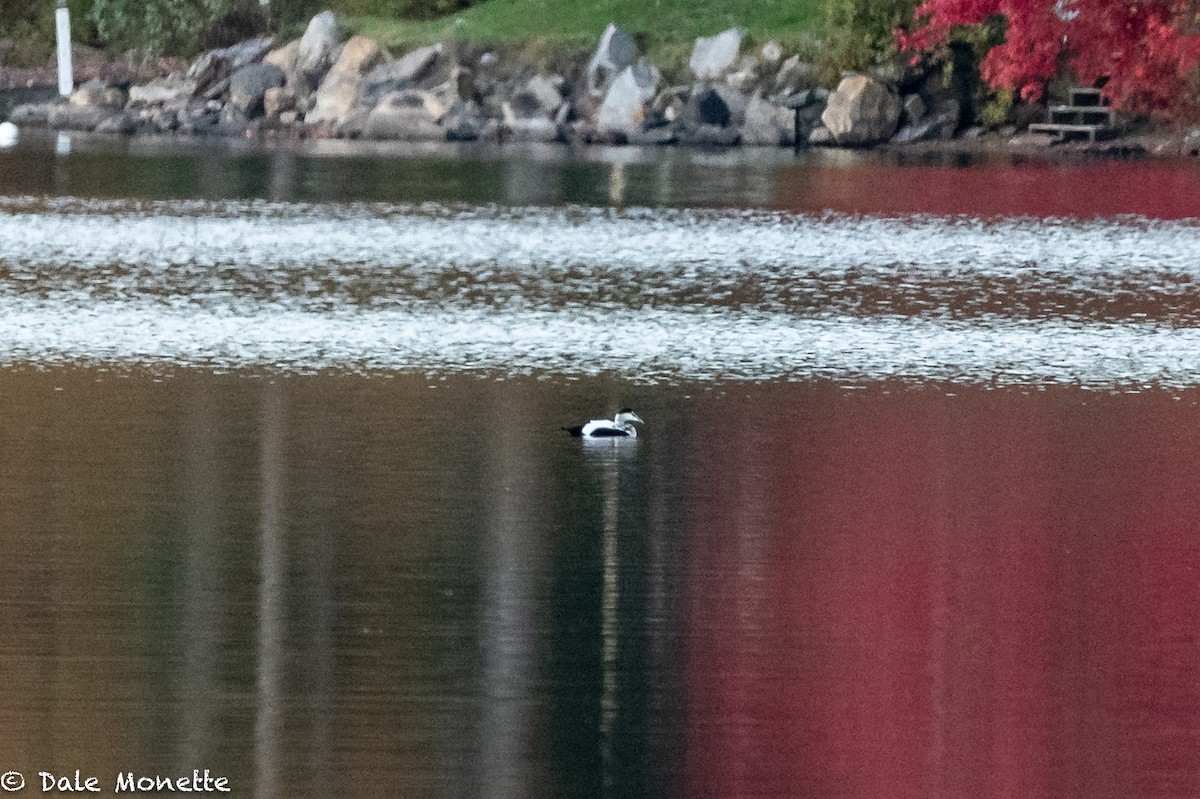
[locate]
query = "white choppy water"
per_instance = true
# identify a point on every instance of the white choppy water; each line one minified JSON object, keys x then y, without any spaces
{"x":650,"y":295}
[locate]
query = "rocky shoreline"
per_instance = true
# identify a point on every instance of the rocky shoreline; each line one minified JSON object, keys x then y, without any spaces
{"x":320,"y":87}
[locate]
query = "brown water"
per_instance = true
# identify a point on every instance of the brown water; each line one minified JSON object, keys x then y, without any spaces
{"x":283,"y":493}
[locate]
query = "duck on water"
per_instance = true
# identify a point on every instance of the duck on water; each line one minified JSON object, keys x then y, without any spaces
{"x":620,"y":426}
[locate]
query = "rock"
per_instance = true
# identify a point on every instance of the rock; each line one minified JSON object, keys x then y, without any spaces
{"x":314,"y":53}
{"x":339,"y":91}
{"x":948,"y":114}
{"x":624,"y":108}
{"x":797,"y":100}
{"x":667,"y":107}
{"x":77,"y":117}
{"x":33,"y":114}
{"x":170,"y":90}
{"x":284,"y":57}
{"x":278,"y":99}
{"x":213,"y":68}
{"x":768,"y":124}
{"x":795,"y":75}
{"x":123,"y":123}
{"x":198,"y":121}
{"x":713,"y":56}
{"x":165,"y":120}
{"x":615,"y":52}
{"x":463,"y":121}
{"x":805,"y":121}
{"x":862,"y":111}
{"x":96,"y":94}
{"x":706,"y":107}
{"x":820,"y":137}
{"x":401,"y":74}
{"x":747,"y":76}
{"x":940,"y":124}
{"x":771,"y":52}
{"x":538,"y":98}
{"x":353,"y":124}
{"x":231,"y":126}
{"x":914,"y":109}
{"x":248,"y":85}
{"x":407,"y":114}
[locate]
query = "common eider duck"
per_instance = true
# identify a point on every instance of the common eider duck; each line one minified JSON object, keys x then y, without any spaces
{"x":620,"y":426}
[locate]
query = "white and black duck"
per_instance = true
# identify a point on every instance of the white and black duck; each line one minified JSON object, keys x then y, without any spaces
{"x":620,"y":426}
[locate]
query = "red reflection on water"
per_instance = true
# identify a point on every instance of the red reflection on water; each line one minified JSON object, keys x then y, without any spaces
{"x":1158,"y":190}
{"x":994,"y":595}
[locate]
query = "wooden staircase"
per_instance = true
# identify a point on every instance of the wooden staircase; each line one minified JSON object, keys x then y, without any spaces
{"x":1085,"y":115}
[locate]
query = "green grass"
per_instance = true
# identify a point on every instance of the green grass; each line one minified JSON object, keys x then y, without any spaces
{"x":665,"y":29}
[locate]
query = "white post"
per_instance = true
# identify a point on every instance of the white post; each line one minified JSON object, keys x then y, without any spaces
{"x":62,"y":18}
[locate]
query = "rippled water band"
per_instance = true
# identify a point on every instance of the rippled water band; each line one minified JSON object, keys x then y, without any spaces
{"x":662,"y":295}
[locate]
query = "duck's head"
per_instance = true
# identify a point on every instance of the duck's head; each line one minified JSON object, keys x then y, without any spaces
{"x":626,"y":415}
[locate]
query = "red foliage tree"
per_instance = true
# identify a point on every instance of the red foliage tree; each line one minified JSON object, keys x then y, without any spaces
{"x":1141,"y":46}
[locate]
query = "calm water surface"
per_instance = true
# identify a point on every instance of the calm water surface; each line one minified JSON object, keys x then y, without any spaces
{"x":283,"y":492}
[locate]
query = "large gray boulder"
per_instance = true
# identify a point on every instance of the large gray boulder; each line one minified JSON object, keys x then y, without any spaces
{"x":623,"y":111}
{"x":615,"y":52}
{"x":540,"y":97}
{"x":339,"y":91}
{"x":213,"y":68}
{"x":248,"y":85}
{"x":409,"y":114}
{"x":78,"y":117}
{"x":404,"y":73}
{"x":862,"y":111}
{"x":33,"y":114}
{"x":314,"y":53}
{"x":941,"y":123}
{"x":713,"y":56}
{"x":768,"y":124}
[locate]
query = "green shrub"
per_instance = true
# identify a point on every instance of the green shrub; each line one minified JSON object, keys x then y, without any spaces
{"x":401,"y":9}
{"x":997,"y":109}
{"x":860,"y":34}
{"x":175,"y":27}
{"x":27,"y":29}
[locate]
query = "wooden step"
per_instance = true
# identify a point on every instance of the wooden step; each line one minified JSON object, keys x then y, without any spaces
{"x":1081,"y":115}
{"x":1064,"y":131}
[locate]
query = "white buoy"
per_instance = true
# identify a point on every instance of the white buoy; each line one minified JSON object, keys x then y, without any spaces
{"x":8,"y":134}
{"x":62,"y":33}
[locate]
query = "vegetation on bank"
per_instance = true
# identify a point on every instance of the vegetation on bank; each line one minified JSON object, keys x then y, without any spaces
{"x":1148,"y":50}
{"x":666,"y":29}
